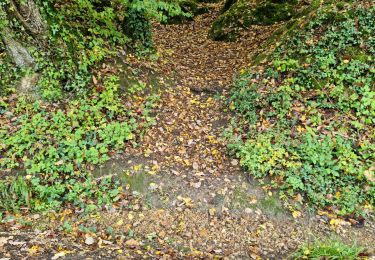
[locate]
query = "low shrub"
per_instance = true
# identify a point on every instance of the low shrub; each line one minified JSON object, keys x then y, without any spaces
{"x":306,"y":117}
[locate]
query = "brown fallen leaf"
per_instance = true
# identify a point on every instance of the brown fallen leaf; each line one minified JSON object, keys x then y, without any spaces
{"x":4,"y":240}
{"x":132,"y":243}
{"x":370,"y":174}
{"x":196,"y":184}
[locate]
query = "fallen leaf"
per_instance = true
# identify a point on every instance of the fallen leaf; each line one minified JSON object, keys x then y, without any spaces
{"x":132,"y":243}
{"x":212,"y":211}
{"x":61,"y":162}
{"x":195,"y":184}
{"x":16,"y":243}
{"x":296,"y":214}
{"x":33,"y":250}
{"x":58,"y":255}
{"x":4,"y":240}
{"x":370,"y":174}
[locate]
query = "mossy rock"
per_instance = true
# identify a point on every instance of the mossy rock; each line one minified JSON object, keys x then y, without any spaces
{"x":192,"y":7}
{"x":243,"y":13}
{"x":227,"y":5}
{"x":288,"y":29}
{"x":208,"y":1}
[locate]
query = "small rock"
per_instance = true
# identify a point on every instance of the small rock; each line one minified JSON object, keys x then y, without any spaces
{"x":89,"y":240}
{"x":248,"y":211}
{"x":234,"y":162}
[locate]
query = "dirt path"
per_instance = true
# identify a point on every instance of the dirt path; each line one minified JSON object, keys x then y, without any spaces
{"x":190,"y":199}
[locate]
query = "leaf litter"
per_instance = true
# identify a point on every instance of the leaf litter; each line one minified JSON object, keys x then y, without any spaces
{"x":189,"y":199}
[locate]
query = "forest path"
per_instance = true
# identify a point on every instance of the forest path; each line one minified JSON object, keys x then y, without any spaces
{"x":189,"y":198}
{"x":196,"y":200}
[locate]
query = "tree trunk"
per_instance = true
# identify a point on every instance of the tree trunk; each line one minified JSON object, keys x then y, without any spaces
{"x":19,"y":54}
{"x":27,"y":13}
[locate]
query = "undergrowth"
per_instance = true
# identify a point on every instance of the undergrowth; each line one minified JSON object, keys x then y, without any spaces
{"x":47,"y":151}
{"x":330,"y":249}
{"x":49,"y":146}
{"x":80,"y":36}
{"x":306,"y":118}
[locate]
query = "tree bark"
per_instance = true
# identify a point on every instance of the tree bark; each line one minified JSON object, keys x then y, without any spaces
{"x":27,"y":13}
{"x":19,"y":54}
{"x":29,"y":16}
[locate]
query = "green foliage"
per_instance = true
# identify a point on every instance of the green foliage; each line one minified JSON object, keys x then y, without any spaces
{"x":81,"y":34}
{"x":9,"y":74}
{"x":330,"y":249}
{"x":51,"y":149}
{"x":138,"y":28}
{"x":307,"y":120}
{"x":47,"y":150}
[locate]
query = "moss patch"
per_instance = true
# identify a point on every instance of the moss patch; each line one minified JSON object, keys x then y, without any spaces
{"x":242,"y":14}
{"x":192,"y":7}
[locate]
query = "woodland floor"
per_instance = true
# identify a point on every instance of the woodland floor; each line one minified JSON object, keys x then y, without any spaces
{"x":190,"y":199}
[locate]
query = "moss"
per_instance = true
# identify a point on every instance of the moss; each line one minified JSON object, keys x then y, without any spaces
{"x":208,"y":1}
{"x":136,"y":181}
{"x":189,"y":6}
{"x":227,"y":5}
{"x":272,"y":206}
{"x":272,"y":13}
{"x":227,"y":25}
{"x":242,"y":14}
{"x":281,"y":34}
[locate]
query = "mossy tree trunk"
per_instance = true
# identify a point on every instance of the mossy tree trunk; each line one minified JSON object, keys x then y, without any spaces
{"x":28,"y":15}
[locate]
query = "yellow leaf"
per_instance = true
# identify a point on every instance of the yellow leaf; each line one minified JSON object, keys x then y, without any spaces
{"x":119,"y":223}
{"x":33,"y":249}
{"x":137,"y":167}
{"x":59,"y":254}
{"x":187,"y":162}
{"x":296,"y":214}
{"x":188,"y":202}
{"x":300,"y":129}
{"x":212,"y":211}
{"x":152,"y":172}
